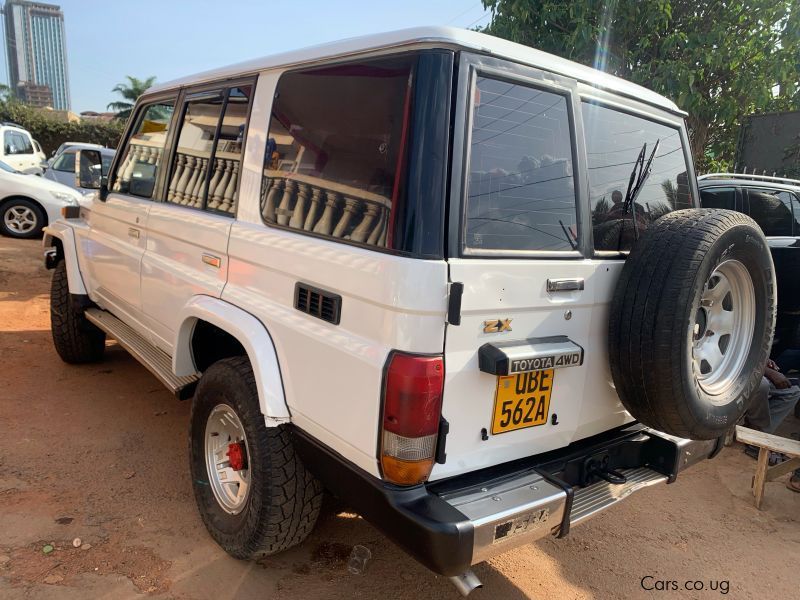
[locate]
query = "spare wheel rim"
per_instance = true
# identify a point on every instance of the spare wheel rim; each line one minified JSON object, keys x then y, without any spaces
{"x":227,"y":459}
{"x":723,"y":330}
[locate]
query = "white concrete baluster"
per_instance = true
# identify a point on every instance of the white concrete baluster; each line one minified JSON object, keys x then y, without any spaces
{"x":183,"y":183}
{"x":325,"y":224}
{"x":299,"y":212}
{"x":230,"y":189}
{"x":284,"y":211}
{"x":123,"y":168}
{"x":155,"y":156}
{"x":219,"y":193}
{"x":188,"y":195}
{"x":213,"y":201}
{"x":377,"y":231}
{"x":134,"y":156}
{"x":275,"y":189}
{"x":201,"y":195}
{"x":362,"y":230}
{"x":350,"y":208}
{"x":313,"y":211}
{"x":197,"y":199}
{"x":180,"y":161}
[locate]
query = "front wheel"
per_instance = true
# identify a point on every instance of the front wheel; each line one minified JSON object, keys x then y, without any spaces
{"x":76,"y":339}
{"x":22,"y":218}
{"x":254,"y":495}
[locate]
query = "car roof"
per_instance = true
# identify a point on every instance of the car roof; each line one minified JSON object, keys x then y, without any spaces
{"x":447,"y":36}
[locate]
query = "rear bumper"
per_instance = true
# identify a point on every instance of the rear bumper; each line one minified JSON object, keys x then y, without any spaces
{"x":450,"y":525}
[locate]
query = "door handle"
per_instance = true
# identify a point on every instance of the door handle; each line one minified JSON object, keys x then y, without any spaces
{"x":564,"y":285}
{"x":133,"y":232}
{"x":211,"y":260}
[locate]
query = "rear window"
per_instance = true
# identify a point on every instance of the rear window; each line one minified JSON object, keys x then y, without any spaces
{"x":521,"y":191}
{"x":614,"y":140}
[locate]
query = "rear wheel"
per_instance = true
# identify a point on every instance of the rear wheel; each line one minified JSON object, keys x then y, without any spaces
{"x":692,"y":321}
{"x":254,"y":495}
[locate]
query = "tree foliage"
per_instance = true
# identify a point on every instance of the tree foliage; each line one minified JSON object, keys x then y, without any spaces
{"x":717,"y":59}
{"x":50,"y":131}
{"x":130,"y":91}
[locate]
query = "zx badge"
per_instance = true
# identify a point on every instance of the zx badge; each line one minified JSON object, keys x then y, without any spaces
{"x":497,"y":326}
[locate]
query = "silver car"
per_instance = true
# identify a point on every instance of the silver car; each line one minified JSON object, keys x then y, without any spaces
{"x":63,"y":168}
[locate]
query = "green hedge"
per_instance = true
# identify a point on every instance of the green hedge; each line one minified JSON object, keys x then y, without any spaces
{"x":51,"y":132}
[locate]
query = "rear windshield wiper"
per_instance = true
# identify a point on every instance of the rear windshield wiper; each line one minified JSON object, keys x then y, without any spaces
{"x":635,"y":184}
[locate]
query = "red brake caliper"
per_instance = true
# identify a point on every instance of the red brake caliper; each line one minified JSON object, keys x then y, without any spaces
{"x":237,"y":456}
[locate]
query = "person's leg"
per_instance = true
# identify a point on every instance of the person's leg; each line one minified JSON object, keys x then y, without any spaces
{"x":758,"y":413}
{"x":781,"y":404}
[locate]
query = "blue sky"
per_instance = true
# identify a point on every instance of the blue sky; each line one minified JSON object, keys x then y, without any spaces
{"x":107,"y":40}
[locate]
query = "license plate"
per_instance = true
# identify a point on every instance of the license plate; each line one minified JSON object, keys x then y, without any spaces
{"x":522,"y":400}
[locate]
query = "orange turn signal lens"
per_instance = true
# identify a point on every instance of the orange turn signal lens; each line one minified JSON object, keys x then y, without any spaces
{"x":405,"y":472}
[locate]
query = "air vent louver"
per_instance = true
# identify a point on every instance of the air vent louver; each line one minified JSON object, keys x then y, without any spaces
{"x":318,"y":303}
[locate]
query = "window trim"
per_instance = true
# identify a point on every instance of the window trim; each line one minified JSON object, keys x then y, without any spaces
{"x":141,"y":105}
{"x":534,"y":78}
{"x":659,"y":119}
{"x":184,"y":97}
{"x":349,"y":60}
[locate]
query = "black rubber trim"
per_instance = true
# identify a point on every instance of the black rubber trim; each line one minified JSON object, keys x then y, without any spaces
{"x":570,"y":491}
{"x":428,"y":528}
{"x":454,"y":303}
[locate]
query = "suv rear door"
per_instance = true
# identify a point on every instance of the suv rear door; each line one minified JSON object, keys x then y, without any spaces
{"x":532,"y":286}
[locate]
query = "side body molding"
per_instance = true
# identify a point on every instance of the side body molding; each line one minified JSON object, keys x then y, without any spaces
{"x":66,"y":235}
{"x":253,"y":336}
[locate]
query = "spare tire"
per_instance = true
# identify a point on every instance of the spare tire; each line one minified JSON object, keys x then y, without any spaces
{"x":691,"y":322}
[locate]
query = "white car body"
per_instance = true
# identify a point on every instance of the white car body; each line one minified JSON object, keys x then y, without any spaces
{"x":162,"y":268}
{"x":49,"y":196}
{"x":19,"y":150}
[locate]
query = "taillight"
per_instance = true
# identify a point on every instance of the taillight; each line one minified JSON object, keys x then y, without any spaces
{"x":412,"y":407}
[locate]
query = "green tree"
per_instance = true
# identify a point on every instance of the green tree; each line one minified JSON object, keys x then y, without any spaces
{"x":130,"y":91}
{"x":717,"y":59}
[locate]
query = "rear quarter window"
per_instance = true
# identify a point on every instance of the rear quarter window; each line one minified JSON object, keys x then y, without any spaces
{"x":614,"y":140}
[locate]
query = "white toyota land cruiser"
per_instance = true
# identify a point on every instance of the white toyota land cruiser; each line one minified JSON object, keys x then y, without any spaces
{"x":458,"y":282}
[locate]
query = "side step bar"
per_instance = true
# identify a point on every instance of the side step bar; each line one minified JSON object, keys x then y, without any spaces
{"x":154,"y":360}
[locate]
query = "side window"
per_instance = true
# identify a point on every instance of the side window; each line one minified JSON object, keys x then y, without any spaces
{"x":336,"y":150}
{"x":15,"y":142}
{"x":205,"y":168}
{"x":770,"y":210}
{"x":65,"y":162}
{"x":137,"y":172}
{"x":614,"y":141}
{"x":722,"y":197}
{"x":521,"y":189}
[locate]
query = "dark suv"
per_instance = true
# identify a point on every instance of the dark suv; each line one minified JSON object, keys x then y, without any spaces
{"x":773,"y":203}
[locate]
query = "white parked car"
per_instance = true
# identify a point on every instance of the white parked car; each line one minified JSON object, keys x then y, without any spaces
{"x":28,"y":202}
{"x":461,"y":283}
{"x":19,"y":150}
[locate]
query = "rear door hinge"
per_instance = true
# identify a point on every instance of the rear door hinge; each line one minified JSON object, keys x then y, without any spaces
{"x":454,"y":303}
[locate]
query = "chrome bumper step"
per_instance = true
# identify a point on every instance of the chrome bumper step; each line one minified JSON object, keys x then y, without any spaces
{"x":595,"y":498}
{"x":153,"y":359}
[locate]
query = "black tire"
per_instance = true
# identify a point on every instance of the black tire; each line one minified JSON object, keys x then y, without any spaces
{"x":284,"y":498}
{"x":76,"y":339}
{"x":30,"y":209}
{"x":653,"y":315}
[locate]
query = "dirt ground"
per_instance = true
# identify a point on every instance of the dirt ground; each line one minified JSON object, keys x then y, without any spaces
{"x":100,"y":453}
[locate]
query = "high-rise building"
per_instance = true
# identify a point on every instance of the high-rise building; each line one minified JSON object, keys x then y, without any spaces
{"x":36,"y":49}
